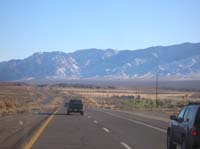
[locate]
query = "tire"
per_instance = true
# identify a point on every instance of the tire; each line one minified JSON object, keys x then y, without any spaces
{"x":68,"y":113}
{"x":170,"y":144}
{"x":82,"y":113}
{"x":184,"y":144}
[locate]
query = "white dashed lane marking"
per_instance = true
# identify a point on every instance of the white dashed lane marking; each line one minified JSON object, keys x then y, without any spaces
{"x":95,"y":121}
{"x":106,"y":130}
{"x":126,"y":146}
{"x":135,"y":121}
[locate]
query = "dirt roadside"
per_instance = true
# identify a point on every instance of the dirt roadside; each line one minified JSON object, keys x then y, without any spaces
{"x":16,"y":127}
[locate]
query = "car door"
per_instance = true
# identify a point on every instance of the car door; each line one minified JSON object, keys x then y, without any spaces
{"x":182,"y":128}
{"x":190,"y":118}
{"x":176,"y":124}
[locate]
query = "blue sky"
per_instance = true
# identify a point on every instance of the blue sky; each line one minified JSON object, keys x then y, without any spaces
{"x":28,"y":26}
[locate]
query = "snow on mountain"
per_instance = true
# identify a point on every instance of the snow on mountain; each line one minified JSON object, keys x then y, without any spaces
{"x":139,"y":61}
{"x":176,"y":60}
{"x":155,"y":55}
{"x":109,"y":53}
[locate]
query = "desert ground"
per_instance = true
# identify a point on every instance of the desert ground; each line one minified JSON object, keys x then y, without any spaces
{"x":135,"y":98}
{"x":19,"y":107}
{"x":23,"y":106}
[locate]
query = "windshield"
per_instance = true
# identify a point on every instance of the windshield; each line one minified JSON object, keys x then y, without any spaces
{"x":99,"y":74}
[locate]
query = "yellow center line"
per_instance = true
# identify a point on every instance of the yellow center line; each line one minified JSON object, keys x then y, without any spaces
{"x":38,"y":133}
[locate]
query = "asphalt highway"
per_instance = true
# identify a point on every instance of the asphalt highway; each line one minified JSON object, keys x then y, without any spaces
{"x":101,"y":129}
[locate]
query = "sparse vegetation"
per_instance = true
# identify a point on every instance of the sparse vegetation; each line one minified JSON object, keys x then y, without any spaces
{"x":138,"y":98}
{"x":20,"y":98}
{"x":28,"y":99}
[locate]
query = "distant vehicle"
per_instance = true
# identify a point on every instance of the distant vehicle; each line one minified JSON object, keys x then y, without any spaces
{"x":75,"y":106}
{"x":184,"y":129}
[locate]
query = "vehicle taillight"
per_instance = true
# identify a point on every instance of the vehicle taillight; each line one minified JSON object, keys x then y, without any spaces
{"x":194,"y":131}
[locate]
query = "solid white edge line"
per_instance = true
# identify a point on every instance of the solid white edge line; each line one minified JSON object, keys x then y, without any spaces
{"x":106,"y":130}
{"x":125,"y":145}
{"x":135,"y":121}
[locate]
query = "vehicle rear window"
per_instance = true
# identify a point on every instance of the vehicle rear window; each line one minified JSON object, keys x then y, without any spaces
{"x":75,"y":102}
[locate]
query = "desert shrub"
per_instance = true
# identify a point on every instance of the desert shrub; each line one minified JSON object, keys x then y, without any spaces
{"x":10,"y":104}
{"x":2,"y":105}
{"x":161,"y":104}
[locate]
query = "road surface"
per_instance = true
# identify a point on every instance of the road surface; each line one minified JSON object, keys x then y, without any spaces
{"x":102,"y":129}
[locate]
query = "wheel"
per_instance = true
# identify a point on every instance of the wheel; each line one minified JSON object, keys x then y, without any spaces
{"x":184,"y":144}
{"x":68,"y":113}
{"x":82,"y":113}
{"x":170,"y":144}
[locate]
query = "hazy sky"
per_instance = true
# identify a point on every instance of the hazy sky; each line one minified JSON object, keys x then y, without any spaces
{"x":28,"y":26}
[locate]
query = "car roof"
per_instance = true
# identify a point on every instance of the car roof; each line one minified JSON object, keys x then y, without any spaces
{"x":75,"y":100}
{"x":194,"y":103}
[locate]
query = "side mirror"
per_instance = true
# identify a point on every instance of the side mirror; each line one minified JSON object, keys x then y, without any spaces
{"x":173,"y":117}
{"x":180,"y":120}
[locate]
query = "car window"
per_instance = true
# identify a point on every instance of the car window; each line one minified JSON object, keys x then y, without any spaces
{"x":181,"y":114}
{"x":186,"y":114}
{"x":198,"y":117}
{"x":75,"y":102}
{"x":190,"y":115}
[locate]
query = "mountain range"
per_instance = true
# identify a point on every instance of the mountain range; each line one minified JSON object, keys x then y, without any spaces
{"x":180,"y":61}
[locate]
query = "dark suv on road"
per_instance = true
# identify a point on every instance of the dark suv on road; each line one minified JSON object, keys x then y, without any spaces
{"x":75,"y":105}
{"x":184,"y":129}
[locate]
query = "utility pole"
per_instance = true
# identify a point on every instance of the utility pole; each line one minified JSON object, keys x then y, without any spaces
{"x":157,"y":90}
{"x":157,"y":73}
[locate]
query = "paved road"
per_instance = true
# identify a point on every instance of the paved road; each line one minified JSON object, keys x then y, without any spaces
{"x":102,"y":129}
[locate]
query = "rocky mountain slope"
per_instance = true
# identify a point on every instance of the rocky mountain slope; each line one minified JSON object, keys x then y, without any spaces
{"x":169,"y":61}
